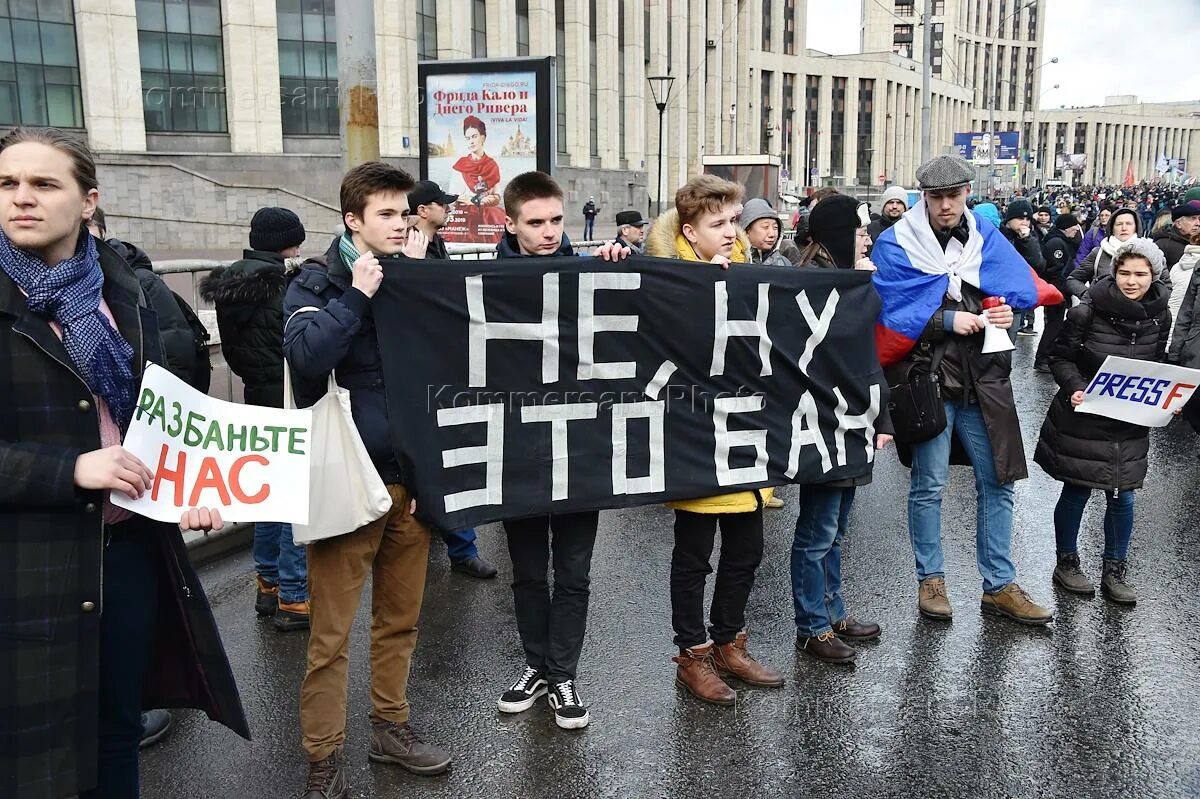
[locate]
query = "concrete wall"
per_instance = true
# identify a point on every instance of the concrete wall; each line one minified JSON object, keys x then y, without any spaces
{"x":163,"y":206}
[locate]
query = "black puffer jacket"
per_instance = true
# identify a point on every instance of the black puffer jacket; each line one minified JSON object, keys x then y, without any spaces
{"x":248,"y":296}
{"x":1082,"y":448}
{"x":179,"y":342}
{"x":1029,"y":248}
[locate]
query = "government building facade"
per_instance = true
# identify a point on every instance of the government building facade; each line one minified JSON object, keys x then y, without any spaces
{"x":201,"y":111}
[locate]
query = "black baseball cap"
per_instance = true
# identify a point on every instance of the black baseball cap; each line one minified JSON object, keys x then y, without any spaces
{"x":427,"y":192}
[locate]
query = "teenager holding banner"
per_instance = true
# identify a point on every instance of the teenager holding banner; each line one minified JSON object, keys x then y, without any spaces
{"x":552,"y":627}
{"x":100,"y":610}
{"x":329,"y":328}
{"x":838,"y":229}
{"x":936,"y":268}
{"x":1123,"y":314}
{"x":701,"y":228}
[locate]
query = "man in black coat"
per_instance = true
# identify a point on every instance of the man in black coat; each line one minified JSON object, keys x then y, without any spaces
{"x":1058,"y":253}
{"x":977,"y":396}
{"x":1018,"y":229}
{"x":1185,"y":223}
{"x":184,"y":355}
{"x":248,"y":296}
{"x":429,"y":208}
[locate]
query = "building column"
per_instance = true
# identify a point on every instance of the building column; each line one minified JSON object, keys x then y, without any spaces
{"x":110,"y":75}
{"x":677,"y":144}
{"x":850,"y":150}
{"x":250,"y":36}
{"x":577,"y":82}
{"x":1089,"y":147}
{"x":453,"y":28}
{"x":541,"y":28}
{"x":608,"y":94}
{"x":825,"y":117}
{"x":502,"y":29}
{"x":396,"y":77}
{"x":637,"y":134}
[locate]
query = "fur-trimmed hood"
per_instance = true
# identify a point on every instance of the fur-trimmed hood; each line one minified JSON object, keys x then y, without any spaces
{"x":666,"y":230}
{"x":257,"y":279}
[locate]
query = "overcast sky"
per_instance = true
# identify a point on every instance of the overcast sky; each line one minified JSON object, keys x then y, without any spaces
{"x":1144,"y":48}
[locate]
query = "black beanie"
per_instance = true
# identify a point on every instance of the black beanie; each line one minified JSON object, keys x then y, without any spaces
{"x":1018,"y":209}
{"x":275,"y":229}
{"x":833,"y":224}
{"x":1065,"y":221}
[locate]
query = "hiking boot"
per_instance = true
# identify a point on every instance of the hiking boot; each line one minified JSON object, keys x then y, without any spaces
{"x":326,"y":779}
{"x":850,"y":629}
{"x":734,"y":660}
{"x":1113,"y":584}
{"x":827,"y":648}
{"x":475,"y":567}
{"x":524,"y":692}
{"x":1012,"y":602}
{"x":397,"y":743}
{"x":570,"y":713}
{"x":932,"y":601}
{"x":292,"y":616}
{"x":155,"y":724}
{"x":698,"y":674}
{"x":774,"y":503}
{"x":266,"y":599}
{"x":1069,"y":577}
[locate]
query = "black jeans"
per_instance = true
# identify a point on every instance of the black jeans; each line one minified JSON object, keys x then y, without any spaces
{"x":552,"y":628}
{"x":1055,"y":314}
{"x":126,"y":646}
{"x":741,"y":552}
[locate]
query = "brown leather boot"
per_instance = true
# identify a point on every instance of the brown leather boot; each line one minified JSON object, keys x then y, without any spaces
{"x":697,"y":674}
{"x":734,"y":659}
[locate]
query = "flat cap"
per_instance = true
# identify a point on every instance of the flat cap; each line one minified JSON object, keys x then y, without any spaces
{"x":945,"y":172}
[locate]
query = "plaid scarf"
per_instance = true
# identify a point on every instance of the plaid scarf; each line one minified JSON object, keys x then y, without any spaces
{"x":69,"y":293}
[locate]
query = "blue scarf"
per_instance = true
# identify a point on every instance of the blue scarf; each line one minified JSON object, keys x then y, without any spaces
{"x":69,"y":294}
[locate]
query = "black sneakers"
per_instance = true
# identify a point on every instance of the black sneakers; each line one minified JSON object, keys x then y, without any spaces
{"x":524,"y":692}
{"x":569,"y":711}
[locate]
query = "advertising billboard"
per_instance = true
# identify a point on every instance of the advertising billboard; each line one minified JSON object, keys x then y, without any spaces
{"x":974,"y":147}
{"x":482,"y":123}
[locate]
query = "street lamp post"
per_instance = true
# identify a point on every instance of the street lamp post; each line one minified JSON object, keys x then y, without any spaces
{"x":660,"y":91}
{"x":994,"y":88}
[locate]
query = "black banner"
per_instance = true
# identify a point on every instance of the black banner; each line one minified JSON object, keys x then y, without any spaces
{"x":537,"y":385}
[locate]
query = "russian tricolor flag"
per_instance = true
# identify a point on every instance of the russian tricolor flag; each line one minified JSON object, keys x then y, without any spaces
{"x":914,"y":275}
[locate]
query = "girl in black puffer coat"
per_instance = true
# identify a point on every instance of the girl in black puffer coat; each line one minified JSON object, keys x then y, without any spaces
{"x":1124,"y":314}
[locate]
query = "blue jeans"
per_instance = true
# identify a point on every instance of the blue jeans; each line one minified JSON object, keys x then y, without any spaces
{"x":817,"y":558}
{"x":1118,"y":520}
{"x":589,"y":226}
{"x":280,"y":562}
{"x":460,"y":545}
{"x":994,"y":513}
{"x":126,"y":649}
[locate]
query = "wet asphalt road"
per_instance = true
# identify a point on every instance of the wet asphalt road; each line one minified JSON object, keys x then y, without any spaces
{"x":1104,"y":703}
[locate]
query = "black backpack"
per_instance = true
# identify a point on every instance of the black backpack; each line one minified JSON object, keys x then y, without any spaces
{"x":201,"y":376}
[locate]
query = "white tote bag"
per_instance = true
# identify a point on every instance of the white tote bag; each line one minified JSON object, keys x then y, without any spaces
{"x":345,"y":490}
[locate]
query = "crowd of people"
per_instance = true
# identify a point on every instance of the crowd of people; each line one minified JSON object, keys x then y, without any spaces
{"x":105,"y":617}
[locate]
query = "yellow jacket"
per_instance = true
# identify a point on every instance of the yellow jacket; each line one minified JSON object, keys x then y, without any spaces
{"x":666,"y":240}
